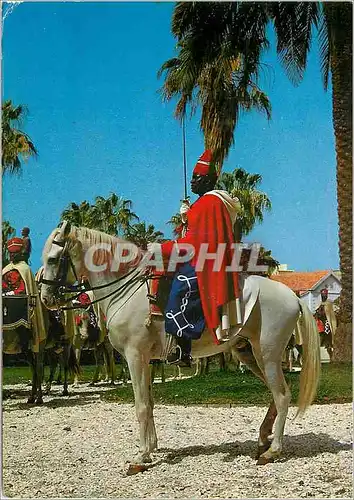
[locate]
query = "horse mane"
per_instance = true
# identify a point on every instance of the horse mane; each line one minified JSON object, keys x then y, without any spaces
{"x":90,"y":237}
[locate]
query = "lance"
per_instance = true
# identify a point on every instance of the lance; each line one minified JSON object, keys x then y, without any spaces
{"x":184,"y":156}
{"x":184,"y":230}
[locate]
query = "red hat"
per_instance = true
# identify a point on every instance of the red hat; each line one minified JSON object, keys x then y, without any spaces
{"x":204,"y":165}
{"x":15,"y":245}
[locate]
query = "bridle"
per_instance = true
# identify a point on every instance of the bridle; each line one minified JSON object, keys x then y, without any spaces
{"x":62,"y":287}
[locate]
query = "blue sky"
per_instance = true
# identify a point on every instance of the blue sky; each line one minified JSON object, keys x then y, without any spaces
{"x":87,"y":73}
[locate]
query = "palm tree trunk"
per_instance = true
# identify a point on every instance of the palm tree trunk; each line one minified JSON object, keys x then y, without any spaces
{"x":342,"y":118}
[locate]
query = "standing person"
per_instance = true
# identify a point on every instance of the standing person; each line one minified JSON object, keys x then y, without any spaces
{"x":27,"y":245}
{"x":203,"y":292}
{"x":326,"y":322}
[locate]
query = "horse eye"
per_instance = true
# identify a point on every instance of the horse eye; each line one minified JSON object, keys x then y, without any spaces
{"x":52,"y":260}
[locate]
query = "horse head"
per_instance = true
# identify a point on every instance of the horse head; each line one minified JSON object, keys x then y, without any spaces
{"x":63,"y":261}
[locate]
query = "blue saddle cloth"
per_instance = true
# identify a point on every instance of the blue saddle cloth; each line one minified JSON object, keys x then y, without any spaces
{"x":184,"y":314}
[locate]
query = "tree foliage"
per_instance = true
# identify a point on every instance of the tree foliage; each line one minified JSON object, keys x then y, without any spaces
{"x":16,"y":144}
{"x":111,"y":215}
{"x":7,"y":232}
{"x":141,"y":234}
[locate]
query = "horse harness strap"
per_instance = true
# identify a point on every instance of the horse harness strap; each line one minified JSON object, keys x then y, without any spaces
{"x":63,"y":287}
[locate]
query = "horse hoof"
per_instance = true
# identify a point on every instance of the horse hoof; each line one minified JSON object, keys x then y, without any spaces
{"x":265,"y":460}
{"x":39,"y":401}
{"x":31,"y":400}
{"x":262,"y":449}
{"x":136,"y":468}
{"x":65,"y":393}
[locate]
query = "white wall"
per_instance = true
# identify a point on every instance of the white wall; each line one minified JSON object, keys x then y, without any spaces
{"x":313,"y":298}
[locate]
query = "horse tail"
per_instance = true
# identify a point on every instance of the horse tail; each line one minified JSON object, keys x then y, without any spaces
{"x":311,"y":364}
{"x":73,"y":365}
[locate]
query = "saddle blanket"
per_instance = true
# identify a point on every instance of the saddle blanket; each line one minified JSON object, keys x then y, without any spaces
{"x":179,"y":302}
{"x":16,"y":311}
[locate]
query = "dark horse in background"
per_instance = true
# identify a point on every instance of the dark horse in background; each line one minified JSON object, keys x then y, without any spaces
{"x":18,"y":340}
{"x":59,"y":351}
{"x":17,"y":337}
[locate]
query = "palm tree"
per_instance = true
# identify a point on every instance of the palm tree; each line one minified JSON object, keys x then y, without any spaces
{"x":253,"y":202}
{"x":265,"y":258}
{"x":7,"y":232}
{"x":141,"y":235}
{"x":113,"y":215}
{"x":79,"y":215}
{"x":176,"y":223}
{"x":210,"y":33}
{"x":218,"y":85}
{"x":16,"y":144}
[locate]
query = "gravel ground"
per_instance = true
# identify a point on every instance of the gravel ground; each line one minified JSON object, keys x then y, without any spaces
{"x":78,"y":446}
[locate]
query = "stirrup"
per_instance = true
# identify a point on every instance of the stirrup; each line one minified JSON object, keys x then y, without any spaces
{"x":170,"y":346}
{"x":177,"y":355}
{"x":179,"y":358}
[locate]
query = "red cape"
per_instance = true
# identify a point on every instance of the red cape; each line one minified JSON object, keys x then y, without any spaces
{"x":209,"y":222}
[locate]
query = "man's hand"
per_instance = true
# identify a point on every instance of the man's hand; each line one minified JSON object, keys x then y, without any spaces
{"x":185,"y":206}
{"x":153,"y":247}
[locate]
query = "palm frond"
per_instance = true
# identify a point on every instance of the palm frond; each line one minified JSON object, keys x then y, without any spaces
{"x":293,"y":24}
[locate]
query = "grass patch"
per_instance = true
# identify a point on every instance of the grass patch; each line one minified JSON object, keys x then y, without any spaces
{"x":22,"y":374}
{"x":237,"y":388}
{"x":232,"y":387}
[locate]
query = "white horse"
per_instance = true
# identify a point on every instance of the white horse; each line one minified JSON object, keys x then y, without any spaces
{"x":270,"y":311}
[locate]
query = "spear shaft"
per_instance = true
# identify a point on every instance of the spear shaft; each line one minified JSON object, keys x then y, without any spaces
{"x":184,"y":156}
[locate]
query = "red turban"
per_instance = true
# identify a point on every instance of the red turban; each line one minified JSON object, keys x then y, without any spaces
{"x":15,"y":245}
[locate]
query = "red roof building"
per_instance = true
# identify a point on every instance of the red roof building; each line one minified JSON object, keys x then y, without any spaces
{"x":310,"y":284}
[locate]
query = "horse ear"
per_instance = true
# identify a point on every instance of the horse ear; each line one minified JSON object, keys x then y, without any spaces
{"x":65,"y":228}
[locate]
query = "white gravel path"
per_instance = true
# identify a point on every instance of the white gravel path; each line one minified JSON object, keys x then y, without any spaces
{"x":77,"y":447}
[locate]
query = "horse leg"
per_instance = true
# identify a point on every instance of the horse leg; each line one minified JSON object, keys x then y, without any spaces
{"x":33,"y":362}
{"x":109,"y":362}
{"x":52,"y":366}
{"x":59,"y":381}
{"x":37,"y":376}
{"x":281,"y":394}
{"x":138,"y":363}
{"x":66,"y":354}
{"x":245,"y":355}
{"x":112,"y":364}
{"x":96,"y":353}
{"x":266,"y":430}
{"x":162,"y":366}
{"x":40,"y":373}
{"x":291,"y":360}
{"x":152,"y":372}
{"x":197,"y":367}
{"x":76,"y":376}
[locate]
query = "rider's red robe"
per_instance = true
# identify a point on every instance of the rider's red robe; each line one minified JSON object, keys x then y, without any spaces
{"x":209,"y":222}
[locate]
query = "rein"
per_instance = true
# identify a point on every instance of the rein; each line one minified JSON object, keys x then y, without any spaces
{"x":133,"y":280}
{"x":63,"y":287}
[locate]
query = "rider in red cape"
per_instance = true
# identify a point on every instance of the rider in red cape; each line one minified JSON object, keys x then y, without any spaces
{"x":210,"y":222}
